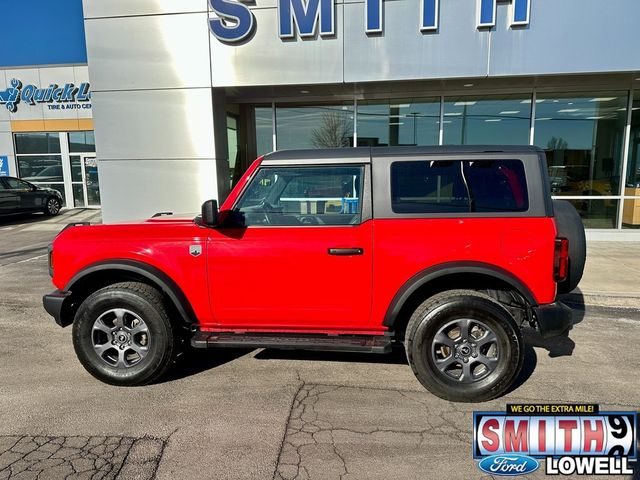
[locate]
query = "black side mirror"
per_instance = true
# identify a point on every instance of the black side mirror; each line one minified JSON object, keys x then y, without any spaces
{"x":210,"y":213}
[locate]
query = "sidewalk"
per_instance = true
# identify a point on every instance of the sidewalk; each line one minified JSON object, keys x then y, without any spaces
{"x":612,"y":275}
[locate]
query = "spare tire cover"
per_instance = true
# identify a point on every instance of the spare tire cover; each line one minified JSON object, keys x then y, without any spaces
{"x":569,"y":225}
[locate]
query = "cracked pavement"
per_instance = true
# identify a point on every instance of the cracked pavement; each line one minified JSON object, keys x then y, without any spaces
{"x":261,"y":414}
{"x":336,"y":432}
{"x":75,"y":458}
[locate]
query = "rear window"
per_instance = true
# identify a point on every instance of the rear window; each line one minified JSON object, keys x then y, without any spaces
{"x":459,"y":186}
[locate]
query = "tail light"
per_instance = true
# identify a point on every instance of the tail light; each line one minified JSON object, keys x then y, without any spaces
{"x":561,"y":260}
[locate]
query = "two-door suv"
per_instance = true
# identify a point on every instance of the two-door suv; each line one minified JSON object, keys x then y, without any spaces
{"x":447,"y":251}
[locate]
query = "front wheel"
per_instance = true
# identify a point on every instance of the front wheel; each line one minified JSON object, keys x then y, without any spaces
{"x":123,"y":336}
{"x":464,"y":346}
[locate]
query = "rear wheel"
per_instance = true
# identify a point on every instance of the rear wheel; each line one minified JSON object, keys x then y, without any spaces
{"x":464,"y":346}
{"x":123,"y":336}
{"x":52,"y":206}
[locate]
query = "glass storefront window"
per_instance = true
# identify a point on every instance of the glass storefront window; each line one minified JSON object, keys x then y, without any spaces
{"x":487,"y":120}
{"x":76,"y":168}
{"x":582,"y":135}
{"x":41,"y":168}
{"x":82,"y":142}
{"x":322,"y":126}
{"x":399,"y":122}
{"x":631,"y":207}
{"x":263,"y":118}
{"x":633,"y":167}
{"x":597,"y":213}
{"x":631,"y":212}
{"x":39,"y":142}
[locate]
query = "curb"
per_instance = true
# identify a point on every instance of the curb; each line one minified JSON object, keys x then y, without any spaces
{"x":623,"y":305}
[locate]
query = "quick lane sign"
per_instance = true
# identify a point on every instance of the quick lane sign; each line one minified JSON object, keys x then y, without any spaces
{"x":67,"y":96}
{"x":235,"y":22}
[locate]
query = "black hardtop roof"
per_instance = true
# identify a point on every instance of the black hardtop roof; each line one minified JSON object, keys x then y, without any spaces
{"x":365,"y":153}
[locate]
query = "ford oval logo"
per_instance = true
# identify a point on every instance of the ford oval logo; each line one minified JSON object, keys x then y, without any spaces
{"x":508,"y":464}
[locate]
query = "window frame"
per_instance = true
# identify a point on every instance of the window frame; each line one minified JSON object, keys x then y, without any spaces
{"x":365,"y":210}
{"x":538,"y":189}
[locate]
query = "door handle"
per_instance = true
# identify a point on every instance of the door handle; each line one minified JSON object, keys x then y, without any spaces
{"x":346,"y":251}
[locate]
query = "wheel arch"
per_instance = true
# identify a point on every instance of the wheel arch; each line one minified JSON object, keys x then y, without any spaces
{"x":102,"y":274}
{"x":449,"y":276}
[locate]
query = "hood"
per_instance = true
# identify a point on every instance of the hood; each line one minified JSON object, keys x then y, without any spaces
{"x":48,"y":190}
{"x":170,"y":217}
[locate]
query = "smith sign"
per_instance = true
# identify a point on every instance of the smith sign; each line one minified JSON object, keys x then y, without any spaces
{"x":234,"y":21}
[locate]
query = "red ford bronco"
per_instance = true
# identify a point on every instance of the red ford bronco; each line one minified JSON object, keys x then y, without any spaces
{"x":449,"y":251}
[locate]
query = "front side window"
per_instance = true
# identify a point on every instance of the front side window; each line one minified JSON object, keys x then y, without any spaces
{"x":299,"y":196}
{"x":15,"y":184}
{"x":456,"y":186}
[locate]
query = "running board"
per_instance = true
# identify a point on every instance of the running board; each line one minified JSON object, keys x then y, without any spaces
{"x":291,"y":341}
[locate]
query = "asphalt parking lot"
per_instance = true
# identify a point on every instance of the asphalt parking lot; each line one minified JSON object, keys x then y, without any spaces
{"x":261,"y":414}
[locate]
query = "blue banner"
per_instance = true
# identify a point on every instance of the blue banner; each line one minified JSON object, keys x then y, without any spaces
{"x":4,"y":166}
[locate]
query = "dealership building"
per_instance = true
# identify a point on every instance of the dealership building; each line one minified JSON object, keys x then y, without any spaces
{"x":183,"y":94}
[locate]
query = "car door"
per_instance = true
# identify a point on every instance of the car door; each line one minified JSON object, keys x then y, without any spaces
{"x":295,"y":252}
{"x":8,"y":198}
{"x":27,"y":198}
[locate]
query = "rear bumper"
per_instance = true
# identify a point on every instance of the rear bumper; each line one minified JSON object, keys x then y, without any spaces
{"x":53,"y":304}
{"x":553,"y":319}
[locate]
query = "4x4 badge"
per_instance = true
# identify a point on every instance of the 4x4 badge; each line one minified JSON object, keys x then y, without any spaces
{"x":195,"y":250}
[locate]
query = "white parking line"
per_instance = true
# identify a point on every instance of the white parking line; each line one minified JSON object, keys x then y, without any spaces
{"x":25,"y":260}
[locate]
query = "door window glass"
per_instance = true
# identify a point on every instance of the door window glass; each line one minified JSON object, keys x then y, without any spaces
{"x":15,"y":184}
{"x":303,"y":196}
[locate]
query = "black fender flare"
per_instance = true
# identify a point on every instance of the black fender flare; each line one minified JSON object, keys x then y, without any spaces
{"x":154,"y":275}
{"x":437,"y":271}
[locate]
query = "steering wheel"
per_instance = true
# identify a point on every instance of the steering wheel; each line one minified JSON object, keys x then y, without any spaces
{"x":267,"y":208}
{"x":310,"y":220}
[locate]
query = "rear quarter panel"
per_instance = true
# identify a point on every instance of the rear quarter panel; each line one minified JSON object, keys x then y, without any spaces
{"x":523,"y":247}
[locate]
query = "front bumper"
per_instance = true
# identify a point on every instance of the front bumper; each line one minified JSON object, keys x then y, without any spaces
{"x":553,"y":319}
{"x":53,"y":304}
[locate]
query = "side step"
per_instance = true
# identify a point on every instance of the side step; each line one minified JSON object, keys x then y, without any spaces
{"x":291,"y":341}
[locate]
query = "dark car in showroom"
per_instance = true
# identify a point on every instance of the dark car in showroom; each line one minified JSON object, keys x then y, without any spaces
{"x":20,"y":196}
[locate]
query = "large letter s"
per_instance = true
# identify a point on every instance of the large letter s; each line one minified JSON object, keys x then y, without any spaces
{"x":234,"y":11}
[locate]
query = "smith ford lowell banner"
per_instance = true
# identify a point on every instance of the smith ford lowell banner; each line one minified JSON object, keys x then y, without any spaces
{"x":572,"y":439}
{"x":235,"y":22}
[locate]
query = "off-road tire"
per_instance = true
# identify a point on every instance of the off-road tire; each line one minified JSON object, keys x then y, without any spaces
{"x":437,"y":312}
{"x":143,"y":301}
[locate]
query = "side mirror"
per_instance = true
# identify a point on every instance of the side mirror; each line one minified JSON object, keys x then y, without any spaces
{"x":210,"y":213}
